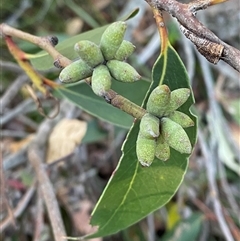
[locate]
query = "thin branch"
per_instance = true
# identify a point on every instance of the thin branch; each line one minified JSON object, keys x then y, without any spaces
{"x":36,"y":154}
{"x":13,"y":133}
{"x":204,"y":39}
{"x":209,"y":159}
{"x":15,"y":159}
{"x":209,"y":214}
{"x":227,"y":190}
{"x":7,"y":65}
{"x":3,"y":199}
{"x":36,"y":157}
{"x":24,"y":107}
{"x":38,"y":216}
{"x":20,"y":207}
{"x":124,"y":104}
{"x":151,"y":227}
{"x":28,"y":122}
{"x":12,"y":91}
{"x":216,"y":111}
{"x":45,"y":43}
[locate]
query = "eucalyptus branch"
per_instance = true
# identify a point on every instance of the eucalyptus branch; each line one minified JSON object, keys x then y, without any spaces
{"x":48,"y":44}
{"x":124,"y":104}
{"x":207,"y":43}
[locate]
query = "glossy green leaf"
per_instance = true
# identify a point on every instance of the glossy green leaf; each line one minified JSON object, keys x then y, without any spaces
{"x":94,"y":133}
{"x":43,"y":60}
{"x":82,"y":95}
{"x":133,"y":191}
{"x":187,"y":230}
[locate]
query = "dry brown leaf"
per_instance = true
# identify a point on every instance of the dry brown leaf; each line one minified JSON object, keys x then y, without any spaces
{"x":66,"y":135}
{"x":81,"y":219}
{"x":17,"y":145}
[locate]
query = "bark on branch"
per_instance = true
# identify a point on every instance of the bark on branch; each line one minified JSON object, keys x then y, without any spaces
{"x":207,"y":43}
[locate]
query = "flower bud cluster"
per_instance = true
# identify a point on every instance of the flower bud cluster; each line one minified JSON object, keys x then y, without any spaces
{"x":104,"y":61}
{"x":162,"y":127}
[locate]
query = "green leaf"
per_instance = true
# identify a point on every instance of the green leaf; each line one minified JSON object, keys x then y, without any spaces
{"x":82,"y":95}
{"x":186,"y":230}
{"x":130,"y":15}
{"x":133,"y":191}
{"x":94,"y":133}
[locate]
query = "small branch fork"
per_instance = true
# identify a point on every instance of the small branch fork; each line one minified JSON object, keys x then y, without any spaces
{"x":48,"y":43}
{"x":206,"y":42}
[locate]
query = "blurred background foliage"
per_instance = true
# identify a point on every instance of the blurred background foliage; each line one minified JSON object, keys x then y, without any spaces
{"x":210,"y":192}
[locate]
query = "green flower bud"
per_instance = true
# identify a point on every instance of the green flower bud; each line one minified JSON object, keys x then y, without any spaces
{"x":76,"y":71}
{"x":145,"y":149}
{"x":181,"y":118}
{"x":149,"y":126}
{"x":175,"y":136}
{"x":162,"y":149}
{"x":101,"y":80}
{"x":89,"y":52}
{"x":122,"y":71}
{"x":112,"y":39}
{"x":158,"y":100}
{"x":125,"y":50}
{"x":178,"y":98}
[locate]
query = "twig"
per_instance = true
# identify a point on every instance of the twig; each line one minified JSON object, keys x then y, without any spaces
{"x":209,"y":214}
{"x":36,"y":154}
{"x":4,"y":203}
{"x":36,"y":157}
{"x":210,"y":168}
{"x":226,"y":188}
{"x":151,"y":227}
{"x":20,"y":10}
{"x":20,"y":157}
{"x":12,"y":91}
{"x":46,"y":43}
{"x":124,"y":104}
{"x":215,"y":110}
{"x":212,"y":216}
{"x":15,"y":159}
{"x":226,"y":70}
{"x":20,"y":207}
{"x":11,"y":66}
{"x":205,"y":40}
{"x":209,"y":162}
{"x":233,"y":227}
{"x":26,"y":106}
{"x":38,"y":217}
{"x":28,"y":122}
{"x":13,"y":133}
{"x":149,"y":50}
